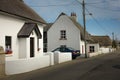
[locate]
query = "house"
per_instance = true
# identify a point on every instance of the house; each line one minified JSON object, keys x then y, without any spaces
{"x":104,"y":41}
{"x":99,"y":45}
{"x":65,"y":31}
{"x":21,"y":36}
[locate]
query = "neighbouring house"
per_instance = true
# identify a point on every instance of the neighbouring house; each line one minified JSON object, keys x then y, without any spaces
{"x":65,"y":31}
{"x":93,"y":47}
{"x":104,"y":41}
{"x":21,"y":35}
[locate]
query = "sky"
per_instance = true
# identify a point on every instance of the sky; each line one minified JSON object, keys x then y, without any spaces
{"x":105,"y":18}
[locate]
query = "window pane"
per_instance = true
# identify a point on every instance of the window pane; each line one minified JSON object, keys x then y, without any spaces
{"x":8,"y":44}
{"x":8,"y":41}
{"x":63,"y":34}
{"x":91,"y":48}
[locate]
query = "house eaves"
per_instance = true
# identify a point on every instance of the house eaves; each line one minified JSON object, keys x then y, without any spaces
{"x":20,"y":9}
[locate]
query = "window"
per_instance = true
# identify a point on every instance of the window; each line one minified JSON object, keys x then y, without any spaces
{"x":8,"y":44}
{"x":63,"y":35}
{"x":62,"y":48}
{"x":92,"y":49}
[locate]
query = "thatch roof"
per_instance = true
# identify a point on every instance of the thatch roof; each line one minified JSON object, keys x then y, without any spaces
{"x":20,"y":9}
{"x":88,"y":38}
{"x":102,"y":40}
{"x":47,"y":27}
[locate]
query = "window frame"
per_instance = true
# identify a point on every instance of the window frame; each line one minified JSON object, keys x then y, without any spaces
{"x":91,"y":49}
{"x":63,"y":35}
{"x":8,"y":44}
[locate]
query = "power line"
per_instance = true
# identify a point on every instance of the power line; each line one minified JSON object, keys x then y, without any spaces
{"x":97,"y":22}
{"x":101,"y":26}
{"x":95,"y":3}
{"x":67,"y":4}
{"x":103,"y":8}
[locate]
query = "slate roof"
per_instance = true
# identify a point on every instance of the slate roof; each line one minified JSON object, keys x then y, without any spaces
{"x":20,"y":9}
{"x":27,"y":29}
{"x":102,"y":40}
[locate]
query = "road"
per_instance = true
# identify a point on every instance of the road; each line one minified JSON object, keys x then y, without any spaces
{"x":102,"y":67}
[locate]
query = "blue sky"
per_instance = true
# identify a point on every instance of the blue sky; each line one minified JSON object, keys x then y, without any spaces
{"x":105,"y":17}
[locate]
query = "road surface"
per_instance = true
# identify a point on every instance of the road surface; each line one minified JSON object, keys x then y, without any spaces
{"x":102,"y":67}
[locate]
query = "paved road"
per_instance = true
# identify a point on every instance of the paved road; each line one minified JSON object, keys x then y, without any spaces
{"x":103,"y":67}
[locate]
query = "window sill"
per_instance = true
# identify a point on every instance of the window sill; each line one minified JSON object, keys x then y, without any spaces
{"x":8,"y":55}
{"x":63,"y":39}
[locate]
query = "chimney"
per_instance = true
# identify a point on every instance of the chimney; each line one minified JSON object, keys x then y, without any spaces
{"x":74,"y":16}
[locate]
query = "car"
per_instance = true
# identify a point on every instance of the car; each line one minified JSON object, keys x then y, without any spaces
{"x":75,"y":53}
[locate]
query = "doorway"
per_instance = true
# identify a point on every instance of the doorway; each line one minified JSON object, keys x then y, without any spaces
{"x":31,"y":47}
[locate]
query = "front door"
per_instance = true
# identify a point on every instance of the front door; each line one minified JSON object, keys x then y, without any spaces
{"x":31,"y":47}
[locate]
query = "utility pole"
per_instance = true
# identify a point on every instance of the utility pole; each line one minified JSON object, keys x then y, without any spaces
{"x":113,"y":36}
{"x":84,"y":22}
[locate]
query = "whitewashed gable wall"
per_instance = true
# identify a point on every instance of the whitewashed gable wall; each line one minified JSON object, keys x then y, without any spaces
{"x":72,"y":34}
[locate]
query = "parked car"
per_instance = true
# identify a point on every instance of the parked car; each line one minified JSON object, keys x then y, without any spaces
{"x":75,"y":53}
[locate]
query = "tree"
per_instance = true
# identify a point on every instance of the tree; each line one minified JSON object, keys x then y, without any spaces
{"x":114,"y":44}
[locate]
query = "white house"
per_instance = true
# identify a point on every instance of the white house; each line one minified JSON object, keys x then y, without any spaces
{"x":104,"y":41}
{"x":65,"y":31}
{"x":21,"y":35}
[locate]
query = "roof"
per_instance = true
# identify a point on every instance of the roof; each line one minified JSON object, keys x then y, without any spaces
{"x":20,"y":9}
{"x":47,"y":27}
{"x":102,"y":40}
{"x":88,"y":37}
{"x":27,"y":29}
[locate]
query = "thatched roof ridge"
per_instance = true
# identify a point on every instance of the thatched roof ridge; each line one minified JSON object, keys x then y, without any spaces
{"x":20,"y":9}
{"x":102,"y":40}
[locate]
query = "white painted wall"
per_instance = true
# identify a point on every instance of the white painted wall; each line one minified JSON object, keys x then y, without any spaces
{"x":51,"y":55}
{"x":82,"y":49}
{"x":94,"y":54}
{"x":10,"y":27}
{"x":96,"y":47}
{"x":26,"y":65}
{"x":105,"y":50}
{"x":72,"y":33}
{"x":60,"y":57}
{"x":22,"y":48}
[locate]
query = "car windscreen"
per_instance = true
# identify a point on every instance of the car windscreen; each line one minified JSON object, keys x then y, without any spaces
{"x":71,"y":49}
